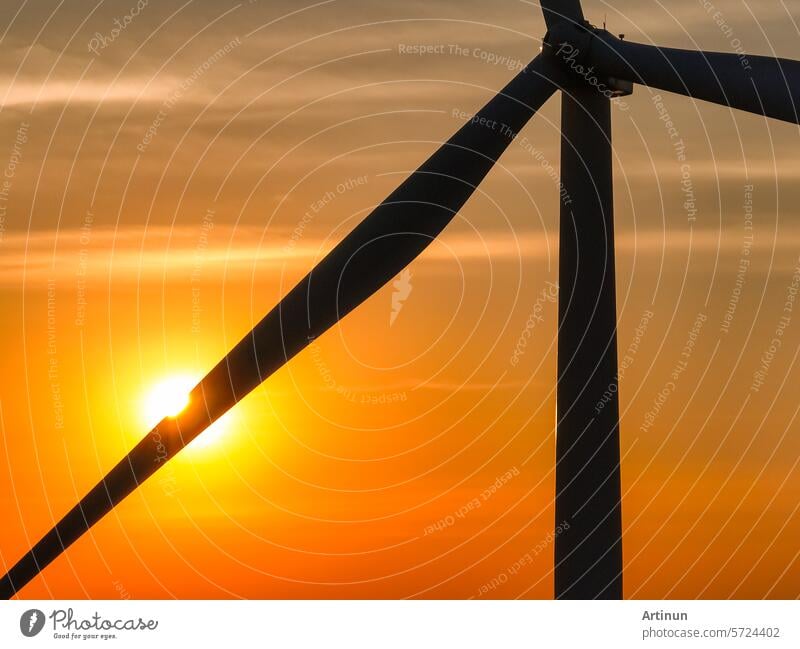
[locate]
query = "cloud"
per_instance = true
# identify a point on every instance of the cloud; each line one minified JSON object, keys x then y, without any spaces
{"x":173,"y":254}
{"x":59,"y":91}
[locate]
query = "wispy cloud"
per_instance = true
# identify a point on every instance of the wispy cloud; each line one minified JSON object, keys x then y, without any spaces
{"x":60,"y":91}
{"x":173,"y":254}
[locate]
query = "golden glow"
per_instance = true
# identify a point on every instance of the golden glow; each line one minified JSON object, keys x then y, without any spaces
{"x":169,"y":397}
{"x":324,"y":484}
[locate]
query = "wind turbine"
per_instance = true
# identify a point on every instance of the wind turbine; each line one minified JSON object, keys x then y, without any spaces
{"x":590,"y":66}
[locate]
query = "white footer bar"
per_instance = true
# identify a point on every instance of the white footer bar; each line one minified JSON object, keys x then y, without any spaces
{"x":401,"y":624}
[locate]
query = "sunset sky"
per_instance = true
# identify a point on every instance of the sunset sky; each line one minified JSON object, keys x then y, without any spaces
{"x":164,"y":184}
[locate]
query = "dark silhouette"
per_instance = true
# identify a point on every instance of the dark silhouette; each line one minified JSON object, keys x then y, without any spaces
{"x":590,"y":66}
{"x":588,"y":554}
{"x":756,"y":84}
{"x":588,"y":546}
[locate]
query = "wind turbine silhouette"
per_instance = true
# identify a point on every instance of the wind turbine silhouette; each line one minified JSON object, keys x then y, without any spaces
{"x":590,"y":66}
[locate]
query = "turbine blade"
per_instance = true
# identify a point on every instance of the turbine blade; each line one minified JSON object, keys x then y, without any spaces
{"x":557,"y":10}
{"x":377,"y":250}
{"x":758,"y":84}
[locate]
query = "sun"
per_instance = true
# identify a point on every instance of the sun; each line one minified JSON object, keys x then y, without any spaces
{"x":168,"y":397}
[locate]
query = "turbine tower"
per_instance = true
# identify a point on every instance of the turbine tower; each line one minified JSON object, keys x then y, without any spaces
{"x":588,"y":551}
{"x":590,"y":67}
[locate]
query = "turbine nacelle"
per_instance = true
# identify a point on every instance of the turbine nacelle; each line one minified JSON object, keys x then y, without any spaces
{"x":763,"y":85}
{"x":569,"y":45}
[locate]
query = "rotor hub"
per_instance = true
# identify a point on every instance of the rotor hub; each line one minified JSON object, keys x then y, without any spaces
{"x":570,"y":44}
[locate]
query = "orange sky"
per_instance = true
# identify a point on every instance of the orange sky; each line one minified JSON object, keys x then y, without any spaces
{"x":164,"y":192}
